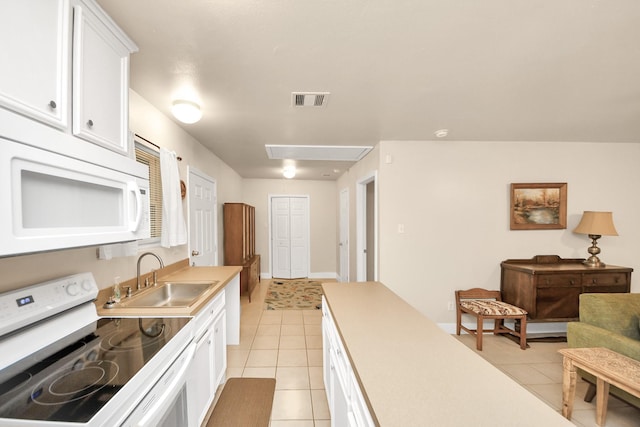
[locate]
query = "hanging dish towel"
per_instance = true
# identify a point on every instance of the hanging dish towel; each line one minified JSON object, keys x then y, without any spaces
{"x":174,"y":230}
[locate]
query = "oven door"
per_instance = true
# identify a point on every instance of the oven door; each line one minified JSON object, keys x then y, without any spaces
{"x":166,"y":403}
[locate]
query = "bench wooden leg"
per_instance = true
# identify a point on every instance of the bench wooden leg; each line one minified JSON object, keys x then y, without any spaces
{"x":479,"y":333}
{"x":568,"y":387}
{"x":602,"y":395}
{"x":523,"y":333}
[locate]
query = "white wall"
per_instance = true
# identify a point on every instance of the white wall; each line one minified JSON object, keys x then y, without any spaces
{"x":453,"y":199}
{"x":322,"y":215}
{"x":146,"y":120}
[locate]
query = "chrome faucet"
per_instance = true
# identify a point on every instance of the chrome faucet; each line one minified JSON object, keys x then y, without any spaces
{"x":138,"y":268}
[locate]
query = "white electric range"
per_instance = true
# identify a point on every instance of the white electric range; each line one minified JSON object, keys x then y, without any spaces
{"x":63,"y":365}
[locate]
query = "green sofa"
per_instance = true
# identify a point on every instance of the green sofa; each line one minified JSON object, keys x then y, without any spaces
{"x":611,"y":321}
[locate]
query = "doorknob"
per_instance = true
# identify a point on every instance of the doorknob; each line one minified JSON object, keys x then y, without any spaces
{"x":195,"y":253}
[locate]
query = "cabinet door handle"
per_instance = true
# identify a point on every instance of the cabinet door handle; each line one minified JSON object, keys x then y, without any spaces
{"x":53,"y":104}
{"x":573,"y":282}
{"x":195,"y":253}
{"x":90,"y":123}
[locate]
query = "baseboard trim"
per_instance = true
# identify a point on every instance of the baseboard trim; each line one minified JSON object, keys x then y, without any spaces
{"x":532,"y":328}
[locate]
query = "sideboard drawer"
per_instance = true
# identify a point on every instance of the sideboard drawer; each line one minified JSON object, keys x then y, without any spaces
{"x":604,"y":279}
{"x":559,"y":280}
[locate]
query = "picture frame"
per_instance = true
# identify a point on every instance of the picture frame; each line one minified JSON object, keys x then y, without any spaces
{"x":538,"y":206}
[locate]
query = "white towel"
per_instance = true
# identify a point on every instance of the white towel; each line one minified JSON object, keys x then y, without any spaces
{"x":174,"y":230}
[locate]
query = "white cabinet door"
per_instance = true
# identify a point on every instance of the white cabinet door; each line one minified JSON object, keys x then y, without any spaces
{"x":200,"y":379}
{"x":219,"y":350}
{"x":100,"y":82}
{"x":34,"y":52}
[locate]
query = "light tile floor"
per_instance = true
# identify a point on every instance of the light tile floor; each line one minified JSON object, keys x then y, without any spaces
{"x":287,"y":345}
{"x":539,"y":369}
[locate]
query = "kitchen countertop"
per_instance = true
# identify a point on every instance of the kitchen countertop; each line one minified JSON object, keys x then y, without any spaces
{"x":412,"y":373}
{"x":223,"y":274}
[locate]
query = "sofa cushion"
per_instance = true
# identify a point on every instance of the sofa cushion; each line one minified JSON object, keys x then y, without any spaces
{"x":619,"y":313}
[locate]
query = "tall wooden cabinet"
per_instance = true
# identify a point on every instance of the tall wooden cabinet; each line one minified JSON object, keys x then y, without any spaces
{"x":240,"y":244}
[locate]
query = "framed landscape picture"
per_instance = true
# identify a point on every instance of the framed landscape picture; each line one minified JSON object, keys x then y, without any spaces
{"x":539,"y":206}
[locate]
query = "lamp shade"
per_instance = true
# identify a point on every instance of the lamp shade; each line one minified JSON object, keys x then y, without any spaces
{"x":596,"y":223}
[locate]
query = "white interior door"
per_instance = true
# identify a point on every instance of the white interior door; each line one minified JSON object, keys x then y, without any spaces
{"x":289,"y":237}
{"x":202,"y":219}
{"x":343,"y":273}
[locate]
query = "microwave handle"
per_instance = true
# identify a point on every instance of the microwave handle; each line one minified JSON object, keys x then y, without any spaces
{"x":133,"y":187}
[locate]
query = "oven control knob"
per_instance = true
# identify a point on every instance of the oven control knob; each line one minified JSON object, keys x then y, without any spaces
{"x":73,"y":289}
{"x":86,"y":285}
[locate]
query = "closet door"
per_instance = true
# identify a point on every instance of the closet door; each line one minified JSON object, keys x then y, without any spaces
{"x":290,"y":237}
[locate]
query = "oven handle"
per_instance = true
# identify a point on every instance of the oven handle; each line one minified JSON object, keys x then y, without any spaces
{"x":173,"y":381}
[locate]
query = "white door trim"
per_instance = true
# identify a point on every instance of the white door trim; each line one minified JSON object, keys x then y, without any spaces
{"x":361,"y":226}
{"x":343,"y":270}
{"x":308,"y":237}
{"x":195,"y":171}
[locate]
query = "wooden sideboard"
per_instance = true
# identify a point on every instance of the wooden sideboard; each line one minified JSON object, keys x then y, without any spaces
{"x":548,"y":286}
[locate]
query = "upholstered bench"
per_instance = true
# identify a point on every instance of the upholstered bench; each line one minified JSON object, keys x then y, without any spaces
{"x":485,"y":304}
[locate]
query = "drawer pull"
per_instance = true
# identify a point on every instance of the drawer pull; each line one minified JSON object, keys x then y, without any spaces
{"x":53,"y":105}
{"x":573,"y":282}
{"x":594,"y":281}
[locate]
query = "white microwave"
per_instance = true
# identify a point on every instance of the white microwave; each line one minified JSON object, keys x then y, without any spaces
{"x":54,"y":201}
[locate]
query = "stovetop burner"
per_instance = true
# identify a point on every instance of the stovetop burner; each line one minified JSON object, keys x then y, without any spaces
{"x":74,"y":383}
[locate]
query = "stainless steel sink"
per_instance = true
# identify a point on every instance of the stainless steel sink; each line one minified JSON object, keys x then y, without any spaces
{"x":170,"y":294}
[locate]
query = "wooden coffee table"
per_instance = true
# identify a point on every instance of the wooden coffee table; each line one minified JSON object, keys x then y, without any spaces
{"x":607,"y":366}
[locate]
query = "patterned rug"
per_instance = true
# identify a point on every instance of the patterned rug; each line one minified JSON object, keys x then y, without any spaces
{"x":294,"y":294}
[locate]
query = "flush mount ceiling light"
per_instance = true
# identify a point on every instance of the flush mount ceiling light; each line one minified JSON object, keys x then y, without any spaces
{"x":441,"y":133}
{"x":186,"y":111}
{"x":289,"y":171}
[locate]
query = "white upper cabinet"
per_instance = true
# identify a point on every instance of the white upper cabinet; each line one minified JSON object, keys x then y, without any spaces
{"x":100,"y":78}
{"x":34,"y":77}
{"x":51,"y":49}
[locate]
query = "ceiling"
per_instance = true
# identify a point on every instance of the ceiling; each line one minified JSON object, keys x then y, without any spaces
{"x":490,"y":70}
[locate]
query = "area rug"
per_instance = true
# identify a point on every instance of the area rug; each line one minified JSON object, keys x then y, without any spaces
{"x":295,"y":294}
{"x":244,"y":402}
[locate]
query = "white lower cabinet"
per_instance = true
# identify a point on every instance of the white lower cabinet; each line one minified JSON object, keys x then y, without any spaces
{"x":344,"y":396}
{"x":209,"y":364}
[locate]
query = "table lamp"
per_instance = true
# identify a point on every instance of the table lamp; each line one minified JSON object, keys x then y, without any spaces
{"x":596,"y":225}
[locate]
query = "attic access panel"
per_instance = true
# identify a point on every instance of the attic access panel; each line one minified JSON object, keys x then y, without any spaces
{"x":318,"y":152}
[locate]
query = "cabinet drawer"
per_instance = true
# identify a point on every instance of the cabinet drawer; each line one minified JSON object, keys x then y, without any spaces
{"x":600,"y":279}
{"x":556,"y":280}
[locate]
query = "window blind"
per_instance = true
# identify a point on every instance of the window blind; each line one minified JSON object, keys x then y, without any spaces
{"x":151,"y":158}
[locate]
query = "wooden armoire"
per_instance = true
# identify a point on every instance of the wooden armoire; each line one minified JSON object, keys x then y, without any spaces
{"x":240,"y":244}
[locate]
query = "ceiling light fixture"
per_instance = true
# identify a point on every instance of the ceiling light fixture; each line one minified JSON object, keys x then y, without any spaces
{"x":186,"y":111}
{"x":441,"y":133}
{"x":289,"y":172}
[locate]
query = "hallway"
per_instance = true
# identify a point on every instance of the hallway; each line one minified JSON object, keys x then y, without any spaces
{"x":287,"y":345}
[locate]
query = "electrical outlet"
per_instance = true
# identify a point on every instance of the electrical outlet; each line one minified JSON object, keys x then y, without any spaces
{"x":450,"y":306}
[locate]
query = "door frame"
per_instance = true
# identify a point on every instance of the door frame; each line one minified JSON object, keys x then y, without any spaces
{"x":361,"y":226}
{"x":343,"y":271}
{"x":195,"y":171}
{"x":270,"y":226}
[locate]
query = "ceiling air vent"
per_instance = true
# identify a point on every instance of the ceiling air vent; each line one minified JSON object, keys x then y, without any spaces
{"x":309,"y":99}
